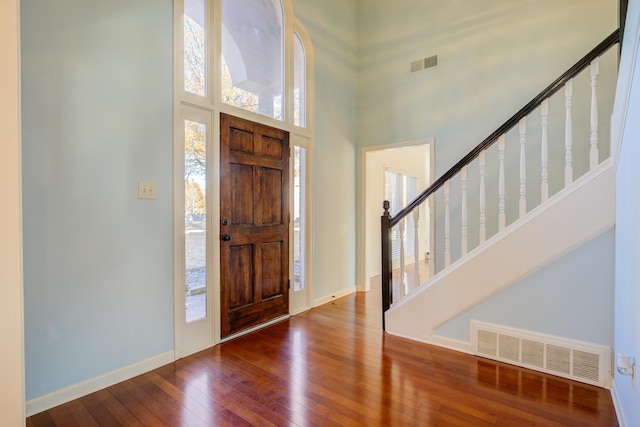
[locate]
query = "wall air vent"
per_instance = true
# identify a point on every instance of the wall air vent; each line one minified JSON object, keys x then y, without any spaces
{"x":576,"y":360}
{"x":424,"y":63}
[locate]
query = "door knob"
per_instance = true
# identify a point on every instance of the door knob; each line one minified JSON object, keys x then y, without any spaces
{"x":226,"y":237}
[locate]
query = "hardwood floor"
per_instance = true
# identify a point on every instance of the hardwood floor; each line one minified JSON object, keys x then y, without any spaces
{"x":333,"y":366}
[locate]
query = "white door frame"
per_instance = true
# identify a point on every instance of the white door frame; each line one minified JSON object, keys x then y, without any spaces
{"x":364,"y":286}
{"x":302,"y":300}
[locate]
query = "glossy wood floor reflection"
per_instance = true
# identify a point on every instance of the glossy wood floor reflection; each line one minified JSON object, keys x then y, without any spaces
{"x":333,"y":366}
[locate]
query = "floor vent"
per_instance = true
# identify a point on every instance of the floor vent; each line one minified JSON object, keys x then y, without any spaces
{"x":577,"y":360}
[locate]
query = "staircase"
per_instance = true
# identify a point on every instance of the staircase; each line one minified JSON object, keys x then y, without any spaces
{"x":501,"y":213}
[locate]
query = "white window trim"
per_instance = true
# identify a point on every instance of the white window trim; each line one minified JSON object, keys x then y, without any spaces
{"x":213,"y":105}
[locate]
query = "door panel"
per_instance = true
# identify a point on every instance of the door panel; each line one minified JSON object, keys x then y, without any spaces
{"x":242,"y":206}
{"x":240,"y":290}
{"x":272,"y":182}
{"x":254,"y":200}
{"x":241,"y":141}
{"x":271,"y":147}
{"x":271,"y":269}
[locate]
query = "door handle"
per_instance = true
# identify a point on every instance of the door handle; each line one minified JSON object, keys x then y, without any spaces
{"x":226,"y":237}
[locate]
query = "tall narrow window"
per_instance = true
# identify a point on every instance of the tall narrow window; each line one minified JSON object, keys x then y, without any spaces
{"x":400,"y":189}
{"x":253,"y":52}
{"x":195,"y":57}
{"x":299,"y":83}
{"x":195,"y":219}
{"x":299,"y":223}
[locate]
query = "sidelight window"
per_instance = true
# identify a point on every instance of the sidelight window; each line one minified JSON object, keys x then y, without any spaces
{"x":195,"y":219}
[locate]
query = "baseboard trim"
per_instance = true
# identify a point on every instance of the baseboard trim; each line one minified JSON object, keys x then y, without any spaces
{"x":451,"y":344}
{"x":617,"y":405}
{"x":300,"y":310}
{"x":334,"y":296}
{"x":444,"y":342}
{"x":67,"y":394}
{"x":195,"y":349}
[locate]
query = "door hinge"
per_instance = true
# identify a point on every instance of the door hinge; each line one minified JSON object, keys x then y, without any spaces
{"x":289,"y":284}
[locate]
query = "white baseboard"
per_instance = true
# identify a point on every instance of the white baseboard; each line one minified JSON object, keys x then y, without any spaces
{"x":300,"y":310}
{"x":444,"y":342}
{"x":329,"y":298}
{"x":617,"y":404}
{"x":451,"y":344}
{"x":195,"y":349}
{"x":67,"y":394}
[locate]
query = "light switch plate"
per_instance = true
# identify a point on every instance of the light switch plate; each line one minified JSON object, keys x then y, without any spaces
{"x":146,"y":190}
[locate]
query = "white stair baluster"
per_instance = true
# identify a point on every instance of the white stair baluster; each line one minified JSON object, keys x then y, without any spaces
{"x":416,"y":249}
{"x":447,"y":227}
{"x":522,"y":129}
{"x":403,"y":289}
{"x":483,"y":208}
{"x":568,"y":135}
{"x":544,"y":186}
{"x":463,"y":186}
{"x":431,"y":254}
{"x":501,"y":201}
{"x":593,"y":152}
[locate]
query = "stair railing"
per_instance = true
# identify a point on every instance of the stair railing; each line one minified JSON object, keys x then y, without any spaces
{"x":393,"y":228}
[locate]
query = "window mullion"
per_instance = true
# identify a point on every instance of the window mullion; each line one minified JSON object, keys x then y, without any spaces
{"x":215,"y":52}
{"x":288,"y":69}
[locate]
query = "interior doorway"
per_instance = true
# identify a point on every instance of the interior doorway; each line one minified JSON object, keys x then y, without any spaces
{"x":402,"y":168}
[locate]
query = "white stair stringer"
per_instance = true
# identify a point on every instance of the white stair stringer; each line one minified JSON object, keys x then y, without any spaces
{"x":568,"y":219}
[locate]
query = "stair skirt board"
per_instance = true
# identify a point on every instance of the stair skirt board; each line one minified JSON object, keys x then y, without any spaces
{"x":575,"y":360}
{"x":447,"y":295}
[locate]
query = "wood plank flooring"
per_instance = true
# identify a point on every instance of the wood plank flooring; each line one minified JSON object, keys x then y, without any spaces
{"x":333,"y":366}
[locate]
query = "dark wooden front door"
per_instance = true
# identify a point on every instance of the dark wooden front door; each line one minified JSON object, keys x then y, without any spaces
{"x":254,"y":228}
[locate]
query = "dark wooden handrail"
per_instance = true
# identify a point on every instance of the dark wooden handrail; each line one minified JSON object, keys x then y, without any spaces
{"x":387,"y":221}
{"x":524,"y":111}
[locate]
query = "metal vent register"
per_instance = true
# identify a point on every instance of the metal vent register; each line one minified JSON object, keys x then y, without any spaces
{"x":577,"y":360}
{"x":424,"y":63}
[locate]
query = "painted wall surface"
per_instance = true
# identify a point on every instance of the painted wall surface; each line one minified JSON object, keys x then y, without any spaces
{"x":97,"y":102}
{"x":11,"y":335}
{"x":331,"y":26}
{"x":97,"y":118}
{"x":97,"y":89}
{"x":571,"y":298}
{"x":484,"y":48}
{"x":627,"y":272}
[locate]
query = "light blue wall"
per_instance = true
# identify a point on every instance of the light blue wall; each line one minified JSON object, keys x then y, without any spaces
{"x":97,"y":114}
{"x":572,"y":298}
{"x":331,"y":25}
{"x":494,"y":56}
{"x":97,"y":118}
{"x":627,"y":283}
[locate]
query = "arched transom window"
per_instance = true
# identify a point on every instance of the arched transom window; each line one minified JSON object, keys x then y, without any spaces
{"x":251,"y":72}
{"x":252,"y":56}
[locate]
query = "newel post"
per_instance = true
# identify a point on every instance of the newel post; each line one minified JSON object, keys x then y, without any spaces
{"x":385,"y":233}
